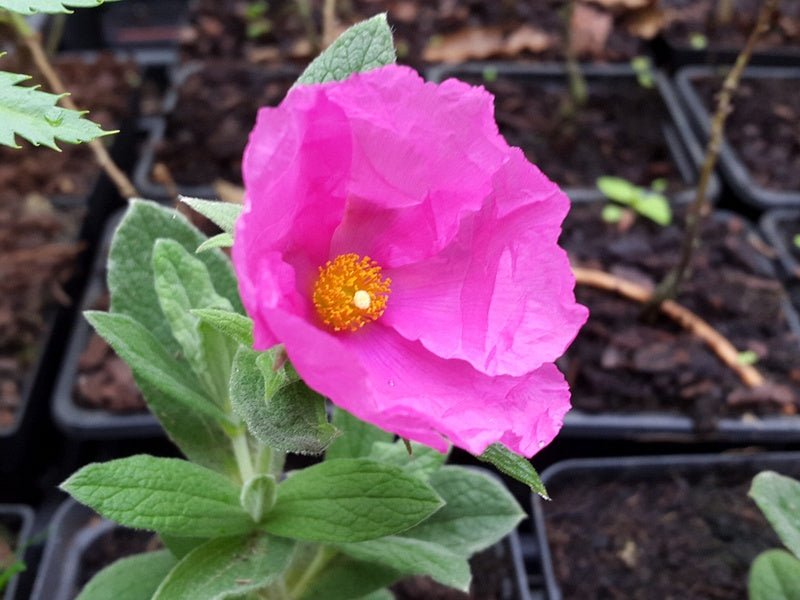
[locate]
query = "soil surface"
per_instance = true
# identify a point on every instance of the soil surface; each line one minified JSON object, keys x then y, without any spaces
{"x":425,"y":31}
{"x":117,"y":543}
{"x":621,"y":364}
{"x":215,"y":112}
{"x":104,"y":88}
{"x":764,"y":128}
{"x":671,"y":536}
{"x":618,"y":132}
{"x":9,"y":532}
{"x":685,"y":18}
{"x":492,"y":579}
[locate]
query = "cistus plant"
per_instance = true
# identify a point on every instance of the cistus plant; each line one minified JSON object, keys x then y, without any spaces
{"x":393,"y":256}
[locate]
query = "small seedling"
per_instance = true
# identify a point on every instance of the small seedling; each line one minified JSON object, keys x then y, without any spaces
{"x":649,"y":203}
{"x":796,"y":241}
{"x":748,"y":357}
{"x":255,"y":14}
{"x":643,"y":67}
{"x":489,"y":74}
{"x":612,"y":213}
{"x":698,"y":41}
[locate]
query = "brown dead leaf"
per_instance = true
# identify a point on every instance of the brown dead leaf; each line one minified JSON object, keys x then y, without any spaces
{"x":473,"y":43}
{"x":623,"y":4}
{"x":527,"y":38}
{"x":590,"y":27}
{"x":405,"y":12}
{"x":646,"y":23}
{"x":229,"y":192}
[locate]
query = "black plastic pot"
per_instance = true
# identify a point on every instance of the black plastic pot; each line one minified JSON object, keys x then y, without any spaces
{"x":684,"y":149}
{"x":81,"y":423}
{"x":641,"y":469}
{"x":158,"y":127}
{"x":664,"y":427}
{"x":20,"y":518}
{"x":76,"y":528}
{"x":733,"y":169}
{"x":780,"y":227}
{"x":679,"y":55}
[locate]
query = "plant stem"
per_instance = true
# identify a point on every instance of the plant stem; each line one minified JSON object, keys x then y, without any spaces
{"x":32,"y":42}
{"x":242,"y":452}
{"x":323,"y":557}
{"x":699,"y":209}
{"x":328,"y":23}
{"x":577,"y":82}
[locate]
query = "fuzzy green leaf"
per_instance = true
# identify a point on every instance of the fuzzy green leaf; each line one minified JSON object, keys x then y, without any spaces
{"x":774,"y":575}
{"x":135,"y":577}
{"x":33,"y":115}
{"x":350,"y":500}
{"x":227,"y":567}
{"x":180,"y":546}
{"x":237,"y":327}
{"x":414,"y":557}
{"x":514,"y":466}
{"x":357,"y":436}
{"x":365,"y":46}
{"x":221,"y":240}
{"x":29,"y":7}
{"x":479,"y":511}
{"x":344,"y":578}
{"x":167,"y":495}
{"x":778,"y":497}
{"x":258,"y":496}
{"x":422,"y":462}
{"x":222,"y":214}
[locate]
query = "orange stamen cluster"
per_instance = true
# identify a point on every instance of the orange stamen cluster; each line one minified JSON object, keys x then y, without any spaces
{"x":350,"y":292}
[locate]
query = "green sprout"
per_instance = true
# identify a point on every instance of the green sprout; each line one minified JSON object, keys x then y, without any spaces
{"x":643,"y":67}
{"x":698,"y":41}
{"x":649,"y":203}
{"x":489,"y":74}
{"x":796,"y":240}
{"x":255,"y":14}
{"x":748,"y":357}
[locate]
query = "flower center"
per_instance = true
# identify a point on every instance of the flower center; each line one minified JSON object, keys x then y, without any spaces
{"x":350,"y":292}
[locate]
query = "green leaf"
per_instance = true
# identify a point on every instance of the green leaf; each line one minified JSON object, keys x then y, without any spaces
{"x":237,"y":327}
{"x":654,"y":207}
{"x":258,"y":496}
{"x":383,"y":594}
{"x":414,"y":557}
{"x":422,"y":462}
{"x":222,"y":214}
{"x":151,"y":363}
{"x":29,"y":7}
{"x":221,"y":240}
{"x":281,"y":414}
{"x":344,"y":578}
{"x":778,"y":497}
{"x":33,"y":115}
{"x":364,"y":46}
{"x":227,"y":567}
{"x":514,"y":466}
{"x":167,"y":495}
{"x":130,"y":266}
{"x":618,"y":189}
{"x":796,"y":240}
{"x":774,"y":575}
{"x":479,"y":511}
{"x":180,"y":546}
{"x":135,"y":577}
{"x":357,"y":436}
{"x":350,"y":500}
{"x":612,"y":213}
{"x":182,"y":283}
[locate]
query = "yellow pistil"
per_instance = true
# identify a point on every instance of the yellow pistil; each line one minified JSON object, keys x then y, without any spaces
{"x":350,"y":292}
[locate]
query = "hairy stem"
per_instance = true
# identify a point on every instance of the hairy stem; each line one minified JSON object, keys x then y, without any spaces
{"x":241,"y":450}
{"x":699,"y":209}
{"x":32,"y":42}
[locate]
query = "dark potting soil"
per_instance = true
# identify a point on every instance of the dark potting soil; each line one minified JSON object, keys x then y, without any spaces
{"x":424,"y":31}
{"x":110,"y":547}
{"x":216,"y":110}
{"x":618,"y":132}
{"x":685,"y":18}
{"x":764,"y":128}
{"x":672,"y":536}
{"x":9,"y":532}
{"x":621,"y":364}
{"x":103,"y":87}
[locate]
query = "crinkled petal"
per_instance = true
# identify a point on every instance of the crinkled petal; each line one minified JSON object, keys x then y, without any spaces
{"x":501,"y":295}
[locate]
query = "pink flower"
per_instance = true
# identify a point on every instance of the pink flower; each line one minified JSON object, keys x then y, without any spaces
{"x":407,"y":259}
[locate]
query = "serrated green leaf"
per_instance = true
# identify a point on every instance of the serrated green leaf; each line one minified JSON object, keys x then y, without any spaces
{"x":221,"y":240}
{"x":364,"y":46}
{"x":357,"y":436}
{"x":774,"y":575}
{"x":227,"y":567}
{"x":33,"y":115}
{"x":135,"y":577}
{"x":344,"y":578}
{"x":29,"y":7}
{"x":166,"y":495}
{"x":182,"y":283}
{"x":281,"y":414}
{"x":422,"y":462}
{"x":222,"y":214}
{"x":778,"y":497}
{"x":258,"y":496}
{"x":479,"y":511}
{"x":237,"y":327}
{"x":515,"y":466}
{"x":350,"y":500}
{"x":151,"y":363}
{"x":414,"y":557}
